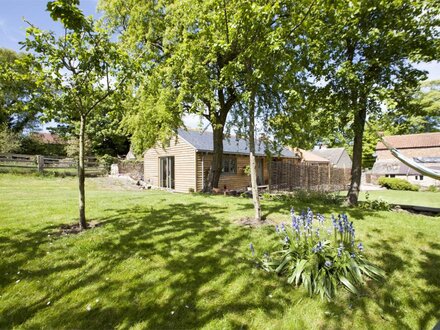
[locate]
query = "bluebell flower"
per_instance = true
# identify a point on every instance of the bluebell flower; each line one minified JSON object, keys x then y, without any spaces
{"x":340,"y":249}
{"x":352,"y":255}
{"x":283,"y":228}
{"x":251,"y":246}
{"x":360,"y":247}
{"x":292,"y":211}
{"x":277,"y":229}
{"x":340,"y":227}
{"x":328,"y":263}
{"x":286,"y":240}
{"x":318,"y":247}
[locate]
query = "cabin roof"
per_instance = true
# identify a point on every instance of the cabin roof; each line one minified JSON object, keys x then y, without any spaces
{"x":203,"y":142}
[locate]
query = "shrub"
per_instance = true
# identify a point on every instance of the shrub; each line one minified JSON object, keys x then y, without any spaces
{"x":106,"y":161}
{"x":433,"y":188}
{"x":397,"y":184}
{"x":310,"y":197}
{"x":9,"y":141}
{"x":374,"y":204}
{"x":320,"y":256}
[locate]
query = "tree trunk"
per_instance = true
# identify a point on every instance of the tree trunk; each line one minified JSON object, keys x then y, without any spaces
{"x":81,"y":176}
{"x":356,"y":170}
{"x":216,"y":165}
{"x":253,"y":163}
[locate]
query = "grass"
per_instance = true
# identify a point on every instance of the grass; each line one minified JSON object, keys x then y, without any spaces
{"x":176,"y":261}
{"x":419,"y":198}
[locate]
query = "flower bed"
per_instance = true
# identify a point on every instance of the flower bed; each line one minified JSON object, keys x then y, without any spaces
{"x":321,"y":255}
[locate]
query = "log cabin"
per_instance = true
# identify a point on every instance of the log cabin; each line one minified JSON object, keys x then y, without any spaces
{"x":183,"y":165}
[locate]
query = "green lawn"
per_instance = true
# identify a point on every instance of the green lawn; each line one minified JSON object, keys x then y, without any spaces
{"x":419,"y":198}
{"x":176,"y":261}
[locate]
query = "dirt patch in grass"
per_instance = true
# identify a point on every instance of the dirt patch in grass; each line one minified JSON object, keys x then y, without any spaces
{"x":121,"y":183}
{"x":251,"y":222}
{"x":72,"y":229}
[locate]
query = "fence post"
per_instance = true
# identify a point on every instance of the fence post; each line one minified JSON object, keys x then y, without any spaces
{"x":40,"y":163}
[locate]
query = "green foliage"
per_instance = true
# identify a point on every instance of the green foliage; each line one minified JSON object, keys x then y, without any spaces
{"x":374,"y":204}
{"x":247,"y":170}
{"x":9,"y":141}
{"x":21,"y":92}
{"x":307,"y":197}
{"x":31,"y":145}
{"x":320,"y":256}
{"x":397,"y":184}
{"x":433,"y":188}
{"x":71,"y":147}
{"x":107,"y":161}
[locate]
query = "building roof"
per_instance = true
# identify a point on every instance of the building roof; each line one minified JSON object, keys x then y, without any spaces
{"x":334,"y":155}
{"x":394,"y":166}
{"x":409,"y":141}
{"x":203,"y":142}
{"x":309,"y":156}
{"x":48,"y":138}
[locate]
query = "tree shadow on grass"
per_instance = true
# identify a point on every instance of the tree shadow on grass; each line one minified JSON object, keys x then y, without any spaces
{"x":384,"y":293}
{"x":276,"y":206}
{"x":177,"y":266}
{"x":430,"y":272}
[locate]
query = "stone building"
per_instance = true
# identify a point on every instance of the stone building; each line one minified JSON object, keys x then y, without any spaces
{"x":423,"y":148}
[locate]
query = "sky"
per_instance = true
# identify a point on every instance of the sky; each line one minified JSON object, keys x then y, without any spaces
{"x":13,"y":30}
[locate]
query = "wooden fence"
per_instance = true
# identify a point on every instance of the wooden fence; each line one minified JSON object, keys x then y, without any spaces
{"x":50,"y":163}
{"x":290,"y":177}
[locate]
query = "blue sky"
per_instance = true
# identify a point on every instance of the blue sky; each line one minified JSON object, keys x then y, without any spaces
{"x":12,"y":12}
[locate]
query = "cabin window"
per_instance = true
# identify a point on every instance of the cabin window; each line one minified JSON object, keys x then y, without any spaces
{"x":229,"y":164}
{"x":419,"y":177}
{"x":390,"y":175}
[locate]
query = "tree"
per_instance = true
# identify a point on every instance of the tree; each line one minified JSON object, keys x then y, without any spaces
{"x":426,"y":117}
{"x":19,"y":90}
{"x":80,"y":67}
{"x":197,"y":55}
{"x":365,"y":69}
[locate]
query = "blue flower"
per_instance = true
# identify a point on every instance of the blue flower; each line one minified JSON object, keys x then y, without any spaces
{"x":286,"y":240}
{"x":251,"y":246}
{"x":328,"y":263}
{"x":360,"y":247}
{"x":283,"y":228}
{"x":340,"y":249}
{"x":352,"y":255}
{"x":277,"y":229}
{"x":318,"y":247}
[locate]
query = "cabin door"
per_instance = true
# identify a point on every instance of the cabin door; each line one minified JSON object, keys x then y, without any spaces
{"x":166,"y":172}
{"x":260,"y":176}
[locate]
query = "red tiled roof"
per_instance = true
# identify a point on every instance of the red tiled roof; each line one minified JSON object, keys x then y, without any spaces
{"x":47,"y":138}
{"x":424,"y":140}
